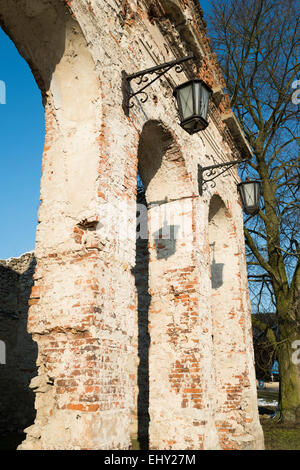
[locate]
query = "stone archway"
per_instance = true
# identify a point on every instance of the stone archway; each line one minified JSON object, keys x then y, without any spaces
{"x":51,"y":41}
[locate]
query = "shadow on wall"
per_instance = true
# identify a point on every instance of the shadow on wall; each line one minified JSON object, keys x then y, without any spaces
{"x":218,"y":235}
{"x":141,"y":274}
{"x":17,"y":409}
{"x":216,"y":270}
{"x":165,"y":241}
{"x":165,"y":238}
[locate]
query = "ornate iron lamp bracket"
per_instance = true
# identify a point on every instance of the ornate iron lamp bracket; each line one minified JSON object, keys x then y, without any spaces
{"x":160,"y":70}
{"x":211,"y":173}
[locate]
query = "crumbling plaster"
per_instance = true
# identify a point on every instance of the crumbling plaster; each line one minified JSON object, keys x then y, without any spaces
{"x":83,"y":306}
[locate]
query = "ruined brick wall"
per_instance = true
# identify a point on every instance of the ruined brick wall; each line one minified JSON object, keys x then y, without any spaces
{"x":85,"y":307}
{"x":16,"y":398}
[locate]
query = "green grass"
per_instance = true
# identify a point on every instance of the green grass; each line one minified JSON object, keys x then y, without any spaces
{"x":135,"y":445}
{"x":267,"y":395}
{"x":279,"y":436}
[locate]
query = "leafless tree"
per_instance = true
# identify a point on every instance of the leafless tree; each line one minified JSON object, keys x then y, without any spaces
{"x":257,"y":42}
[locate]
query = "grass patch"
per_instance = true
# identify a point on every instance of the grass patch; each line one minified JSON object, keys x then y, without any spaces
{"x":277,"y":436}
{"x":267,"y":395}
{"x":135,"y":445}
{"x":280,"y":436}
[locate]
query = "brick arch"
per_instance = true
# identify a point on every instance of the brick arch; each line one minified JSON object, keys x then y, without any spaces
{"x":161,"y":165}
{"x":83,"y":303}
{"x":33,"y":27}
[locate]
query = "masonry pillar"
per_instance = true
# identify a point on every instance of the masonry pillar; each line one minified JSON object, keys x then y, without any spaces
{"x":83,"y":302}
{"x":178,"y":405}
{"x":237,"y":423}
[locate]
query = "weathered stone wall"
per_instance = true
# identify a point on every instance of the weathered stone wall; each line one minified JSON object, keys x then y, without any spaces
{"x":16,"y":398}
{"x":85,"y":301}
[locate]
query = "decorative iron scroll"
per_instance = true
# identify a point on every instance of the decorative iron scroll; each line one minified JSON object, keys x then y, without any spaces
{"x":141,"y":78}
{"x":209,"y":173}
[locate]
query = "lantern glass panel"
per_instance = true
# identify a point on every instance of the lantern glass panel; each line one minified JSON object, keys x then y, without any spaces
{"x":186,"y":101}
{"x":205,"y":95}
{"x":189,"y":126}
{"x":250,"y":194}
{"x":197,"y":99}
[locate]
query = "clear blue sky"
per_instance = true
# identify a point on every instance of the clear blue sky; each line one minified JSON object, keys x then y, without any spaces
{"x":205,"y":4}
{"x":22,"y":130}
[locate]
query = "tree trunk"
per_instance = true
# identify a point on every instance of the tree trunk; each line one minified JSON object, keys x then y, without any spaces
{"x":289,"y":363}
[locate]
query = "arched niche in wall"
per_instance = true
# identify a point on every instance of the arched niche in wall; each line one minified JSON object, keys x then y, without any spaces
{"x":161,"y":165}
{"x":173,"y":11}
{"x":166,"y":184}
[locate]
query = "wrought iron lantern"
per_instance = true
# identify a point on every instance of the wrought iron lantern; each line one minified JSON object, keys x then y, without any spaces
{"x":250,"y":192}
{"x":192,"y":96}
{"x":192,"y":100}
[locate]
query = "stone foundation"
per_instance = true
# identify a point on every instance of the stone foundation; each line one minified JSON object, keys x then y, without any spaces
{"x":17,"y":409}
